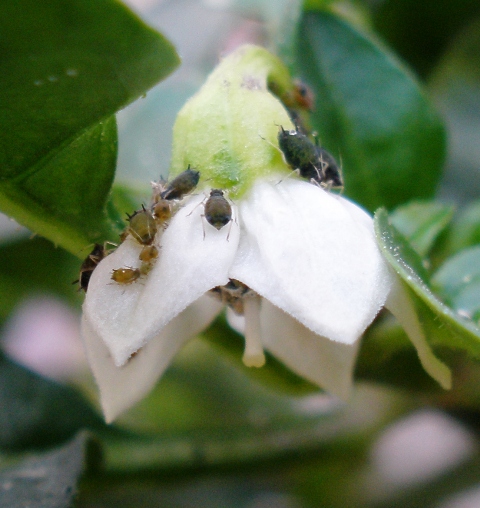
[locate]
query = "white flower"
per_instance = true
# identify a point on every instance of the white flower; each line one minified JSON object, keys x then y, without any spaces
{"x":309,"y":256}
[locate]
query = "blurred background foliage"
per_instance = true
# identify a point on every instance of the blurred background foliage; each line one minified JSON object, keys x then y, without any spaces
{"x":397,"y":89}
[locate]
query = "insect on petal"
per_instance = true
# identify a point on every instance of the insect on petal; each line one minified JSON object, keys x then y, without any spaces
{"x":189,"y":264}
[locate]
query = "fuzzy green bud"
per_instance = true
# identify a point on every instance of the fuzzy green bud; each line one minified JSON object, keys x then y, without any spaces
{"x":228,"y":130}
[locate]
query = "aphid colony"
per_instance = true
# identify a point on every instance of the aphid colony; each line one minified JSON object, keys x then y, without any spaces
{"x":311,"y":161}
{"x":146,"y":223}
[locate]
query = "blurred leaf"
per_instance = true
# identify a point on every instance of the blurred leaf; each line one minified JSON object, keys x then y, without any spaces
{"x":421,"y":223}
{"x":421,"y":31}
{"x":443,"y":326}
{"x":455,"y":87}
{"x":458,"y":282}
{"x":370,"y":113}
{"x":205,"y":414}
{"x":273,"y":374}
{"x":465,"y":230}
{"x":33,"y":265}
{"x":36,"y":412}
{"x":388,"y":356}
{"x":46,"y":480}
{"x":67,"y":67}
{"x":293,"y":479}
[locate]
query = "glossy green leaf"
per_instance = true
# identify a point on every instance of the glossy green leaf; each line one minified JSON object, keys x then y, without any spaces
{"x":47,"y":480}
{"x":370,"y":113}
{"x":65,"y":198}
{"x":458,"y":282}
{"x":443,"y":326}
{"x":421,"y":223}
{"x":36,"y":412}
{"x":67,"y":66}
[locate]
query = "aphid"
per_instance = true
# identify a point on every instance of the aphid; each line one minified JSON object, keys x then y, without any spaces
{"x":142,"y":226}
{"x":182,"y":184}
{"x":125,"y":275}
{"x":332,"y":175}
{"x":162,"y":211}
{"x":300,"y":153}
{"x":233,"y":294}
{"x":148,"y":254}
{"x":218,"y":211}
{"x":313,"y":162}
{"x":302,"y":95}
{"x":89,"y":264}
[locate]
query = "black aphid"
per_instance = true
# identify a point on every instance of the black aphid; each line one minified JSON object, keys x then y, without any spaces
{"x":182,"y":184}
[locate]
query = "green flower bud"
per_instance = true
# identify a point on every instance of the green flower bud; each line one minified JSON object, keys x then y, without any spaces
{"x":228,"y":130}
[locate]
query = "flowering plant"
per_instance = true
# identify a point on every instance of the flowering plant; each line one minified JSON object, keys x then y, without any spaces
{"x":298,"y":263}
{"x":306,"y":273}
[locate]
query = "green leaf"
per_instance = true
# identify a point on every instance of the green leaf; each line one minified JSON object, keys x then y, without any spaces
{"x":458,"y":282}
{"x":64,"y":199}
{"x":455,"y":87}
{"x":47,"y":480}
{"x":465,"y":231}
{"x":421,"y":223}
{"x":430,"y":29}
{"x":67,"y":67}
{"x":442,"y":325}
{"x":371,"y":113}
{"x":32,"y":266}
{"x":36,"y":412}
{"x":388,"y":356}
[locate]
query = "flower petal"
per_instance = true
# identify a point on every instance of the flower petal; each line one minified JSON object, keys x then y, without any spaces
{"x":314,"y":255}
{"x":121,"y":387}
{"x":401,"y":306}
{"x":194,"y":257}
{"x":322,"y":361}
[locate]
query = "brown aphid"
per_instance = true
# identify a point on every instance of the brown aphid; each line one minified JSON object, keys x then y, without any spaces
{"x":89,"y":264}
{"x":162,"y":211}
{"x":303,"y":96}
{"x":218,"y":211}
{"x":146,"y":268}
{"x":182,"y":184}
{"x":233,"y":294}
{"x":142,"y":226}
{"x":125,"y":275}
{"x":148,"y":254}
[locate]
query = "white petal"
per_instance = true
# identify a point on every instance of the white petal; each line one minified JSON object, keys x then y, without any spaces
{"x":401,"y":306}
{"x":314,"y":255}
{"x":322,"y":361}
{"x":121,"y":387}
{"x":194,"y":257}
